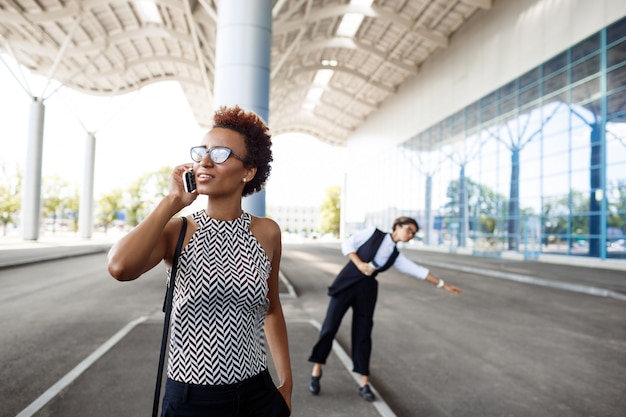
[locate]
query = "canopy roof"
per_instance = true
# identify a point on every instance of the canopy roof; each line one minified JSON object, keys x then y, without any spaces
{"x":117,"y":46}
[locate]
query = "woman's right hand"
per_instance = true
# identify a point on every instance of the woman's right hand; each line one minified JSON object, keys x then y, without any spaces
{"x":177,"y":187}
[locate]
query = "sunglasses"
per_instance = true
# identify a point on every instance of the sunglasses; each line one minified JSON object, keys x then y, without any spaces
{"x":218,"y":154}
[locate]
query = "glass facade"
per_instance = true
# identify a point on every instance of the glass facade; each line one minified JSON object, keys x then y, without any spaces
{"x":537,"y":166}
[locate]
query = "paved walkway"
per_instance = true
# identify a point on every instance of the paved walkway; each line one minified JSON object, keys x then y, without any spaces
{"x":94,"y":383}
{"x":339,"y":393}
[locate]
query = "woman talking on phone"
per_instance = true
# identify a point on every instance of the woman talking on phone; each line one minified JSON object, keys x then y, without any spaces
{"x":226,"y":303}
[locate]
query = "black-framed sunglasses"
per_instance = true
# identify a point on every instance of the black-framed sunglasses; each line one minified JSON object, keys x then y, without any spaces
{"x":218,"y":154}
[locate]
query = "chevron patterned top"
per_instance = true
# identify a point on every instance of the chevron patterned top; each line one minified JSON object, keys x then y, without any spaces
{"x":220,"y":303}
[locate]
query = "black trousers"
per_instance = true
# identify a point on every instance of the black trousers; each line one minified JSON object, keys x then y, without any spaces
{"x":254,"y":397}
{"x":361,"y":297}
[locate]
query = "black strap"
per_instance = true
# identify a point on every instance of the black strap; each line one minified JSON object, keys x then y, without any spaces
{"x":169,"y":295}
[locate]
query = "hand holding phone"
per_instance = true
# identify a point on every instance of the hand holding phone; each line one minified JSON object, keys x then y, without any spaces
{"x":189,"y":181}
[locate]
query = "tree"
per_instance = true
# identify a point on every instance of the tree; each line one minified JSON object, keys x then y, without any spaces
{"x":144,"y":192}
{"x":617,"y":205}
{"x":331,"y":210}
{"x":483,"y":204}
{"x":72,"y":203}
{"x":110,"y":206}
{"x":566,"y":215}
{"x":55,"y":192}
{"x":10,"y":196}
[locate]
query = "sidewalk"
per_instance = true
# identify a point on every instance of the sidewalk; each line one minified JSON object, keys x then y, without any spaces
{"x":16,"y":252}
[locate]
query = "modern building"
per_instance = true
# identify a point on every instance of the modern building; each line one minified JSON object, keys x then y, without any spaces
{"x":512,"y":139}
{"x":296,"y":219}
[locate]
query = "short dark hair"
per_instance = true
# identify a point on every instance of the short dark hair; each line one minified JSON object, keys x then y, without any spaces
{"x":402,"y":220}
{"x":257,"y":139}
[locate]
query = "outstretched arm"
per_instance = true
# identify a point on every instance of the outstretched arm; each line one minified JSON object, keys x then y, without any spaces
{"x":441,"y":284}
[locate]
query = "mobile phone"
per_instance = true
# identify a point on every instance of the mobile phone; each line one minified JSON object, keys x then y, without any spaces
{"x":189,"y":181}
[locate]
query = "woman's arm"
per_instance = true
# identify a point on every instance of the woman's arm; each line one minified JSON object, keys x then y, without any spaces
{"x":154,"y":238}
{"x":275,"y":327}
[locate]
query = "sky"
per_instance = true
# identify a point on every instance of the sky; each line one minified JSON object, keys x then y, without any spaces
{"x":141,"y":132}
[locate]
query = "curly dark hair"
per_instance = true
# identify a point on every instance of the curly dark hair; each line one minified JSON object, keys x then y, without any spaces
{"x":258,"y":142}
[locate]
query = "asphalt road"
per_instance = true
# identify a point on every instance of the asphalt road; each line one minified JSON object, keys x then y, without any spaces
{"x":54,"y":314}
{"x":502,"y":348}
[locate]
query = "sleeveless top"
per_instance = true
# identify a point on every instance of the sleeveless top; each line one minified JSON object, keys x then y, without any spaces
{"x":220,"y":303}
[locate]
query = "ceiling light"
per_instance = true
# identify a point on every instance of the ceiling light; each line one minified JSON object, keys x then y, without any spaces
{"x":322,"y":77}
{"x":350,"y":24}
{"x":329,"y":63}
{"x":314,"y":94}
{"x":148,"y":11}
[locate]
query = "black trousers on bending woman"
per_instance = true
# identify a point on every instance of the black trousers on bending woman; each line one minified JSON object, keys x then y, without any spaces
{"x":361,"y":297}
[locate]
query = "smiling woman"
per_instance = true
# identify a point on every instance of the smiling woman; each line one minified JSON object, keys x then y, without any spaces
{"x":225,"y":250}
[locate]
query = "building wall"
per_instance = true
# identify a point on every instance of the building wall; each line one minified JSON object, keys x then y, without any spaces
{"x":297,"y":219}
{"x":496,"y":46}
{"x":512,"y":130}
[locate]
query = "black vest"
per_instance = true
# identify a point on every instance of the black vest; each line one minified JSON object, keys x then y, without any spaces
{"x":350,"y":274}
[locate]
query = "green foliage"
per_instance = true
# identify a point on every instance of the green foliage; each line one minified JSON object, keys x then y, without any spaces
{"x":110,"y":205}
{"x":144,"y":193}
{"x":617,"y":205}
{"x":56,"y":193}
{"x":10,"y":196}
{"x":331,"y":211}
{"x":482,"y":202}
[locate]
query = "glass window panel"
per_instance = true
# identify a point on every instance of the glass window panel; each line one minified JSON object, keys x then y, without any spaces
{"x":586,"y":91}
{"x":489,"y":100}
{"x":529,"y":78}
{"x":556,"y":185}
{"x":555,"y":165}
{"x":530,"y":161}
{"x":529,"y":95}
{"x":555,"y":64}
{"x":508,"y":104}
{"x":615,"y":151}
{"x":472,"y":115}
{"x":555,"y":83}
{"x":616,"y":176}
{"x":585,"y":69}
{"x":489,"y":114}
{"x":616,"y":54}
{"x":508,"y":89}
{"x":458,"y":123}
{"x":616,"y":80}
{"x":445,"y":127}
{"x":616,"y":31}
{"x":586,"y":47}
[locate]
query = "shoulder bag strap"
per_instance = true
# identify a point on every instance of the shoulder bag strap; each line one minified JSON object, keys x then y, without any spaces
{"x":169,"y":295}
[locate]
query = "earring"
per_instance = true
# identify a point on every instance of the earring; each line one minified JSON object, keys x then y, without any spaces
{"x":245,"y":180}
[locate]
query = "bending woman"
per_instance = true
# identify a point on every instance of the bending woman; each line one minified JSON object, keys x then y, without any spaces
{"x":371,"y":252}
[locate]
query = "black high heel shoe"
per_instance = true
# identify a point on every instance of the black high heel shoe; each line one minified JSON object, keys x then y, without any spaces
{"x":314,"y":385}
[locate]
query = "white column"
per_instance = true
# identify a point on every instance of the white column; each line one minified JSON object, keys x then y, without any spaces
{"x":242,"y":65}
{"x":31,"y":202}
{"x":85,"y":212}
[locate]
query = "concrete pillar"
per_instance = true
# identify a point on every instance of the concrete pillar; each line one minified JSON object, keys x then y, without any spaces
{"x":31,"y":203}
{"x":85,"y":212}
{"x":242,"y":65}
